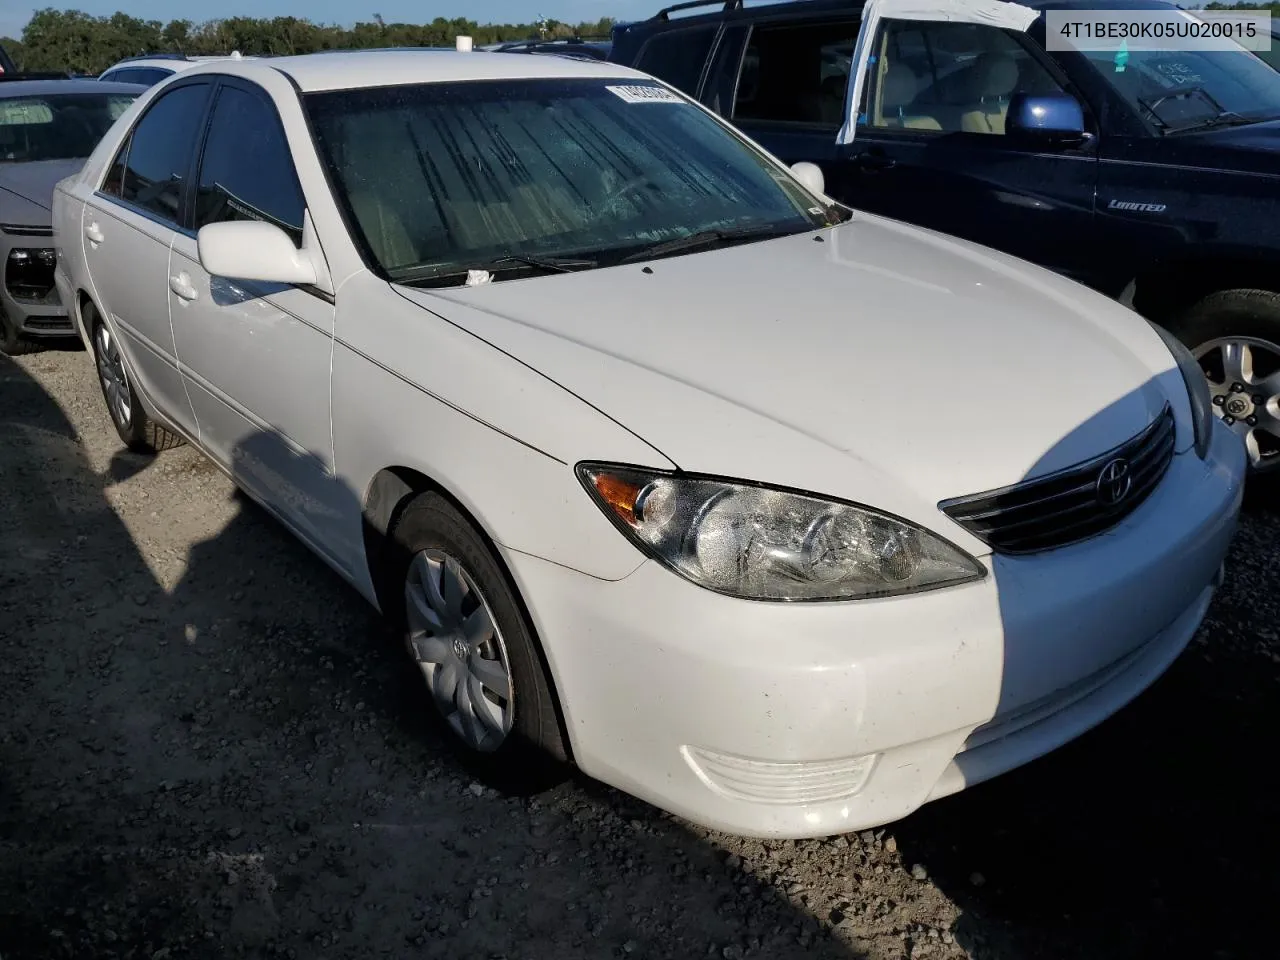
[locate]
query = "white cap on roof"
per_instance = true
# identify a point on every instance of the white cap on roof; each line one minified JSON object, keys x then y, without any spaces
{"x":464,"y":44}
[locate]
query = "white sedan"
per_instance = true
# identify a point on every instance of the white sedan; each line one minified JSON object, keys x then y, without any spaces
{"x":785,"y":518}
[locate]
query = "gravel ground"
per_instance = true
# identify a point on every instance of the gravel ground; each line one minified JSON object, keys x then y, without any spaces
{"x":210,"y":747}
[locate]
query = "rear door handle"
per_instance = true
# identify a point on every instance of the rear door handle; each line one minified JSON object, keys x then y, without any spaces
{"x":93,"y":233}
{"x":181,"y":286}
{"x":875,"y":160}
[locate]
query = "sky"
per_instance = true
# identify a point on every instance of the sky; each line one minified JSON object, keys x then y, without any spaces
{"x":15,"y":13}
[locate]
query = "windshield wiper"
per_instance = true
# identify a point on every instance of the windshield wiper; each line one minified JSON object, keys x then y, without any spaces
{"x":450,"y":278}
{"x":1227,"y":119}
{"x":703,"y":239}
{"x":1222,"y":118}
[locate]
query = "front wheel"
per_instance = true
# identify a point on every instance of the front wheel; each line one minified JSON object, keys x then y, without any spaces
{"x":138,"y":431}
{"x":471,"y":640}
{"x":1235,"y":335}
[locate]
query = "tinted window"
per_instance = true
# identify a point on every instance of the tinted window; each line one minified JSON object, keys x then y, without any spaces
{"x":948,"y":77}
{"x":147,"y":76}
{"x":677,"y":56}
{"x":796,"y":73}
{"x":247,"y":171}
{"x":160,"y":153}
{"x":114,"y":182}
{"x":442,"y":178}
{"x":56,"y":127}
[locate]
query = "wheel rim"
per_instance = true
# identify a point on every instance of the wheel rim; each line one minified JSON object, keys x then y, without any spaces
{"x":1244,"y":382}
{"x":115,"y":382}
{"x":460,"y":650}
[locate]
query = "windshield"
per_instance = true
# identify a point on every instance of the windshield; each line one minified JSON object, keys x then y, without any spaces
{"x":443,"y":178}
{"x":1175,"y":90}
{"x":57,"y":127}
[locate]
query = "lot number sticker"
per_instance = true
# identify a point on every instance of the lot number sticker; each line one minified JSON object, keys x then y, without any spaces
{"x":639,"y":94}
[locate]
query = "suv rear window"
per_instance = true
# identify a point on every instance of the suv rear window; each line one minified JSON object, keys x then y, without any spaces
{"x":677,"y":56}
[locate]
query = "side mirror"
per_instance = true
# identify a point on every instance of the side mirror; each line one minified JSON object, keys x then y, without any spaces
{"x":810,"y":174}
{"x":1045,"y":118}
{"x":253,"y":250}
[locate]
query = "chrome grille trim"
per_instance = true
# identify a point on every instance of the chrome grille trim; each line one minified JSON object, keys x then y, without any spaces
{"x":1063,"y":507}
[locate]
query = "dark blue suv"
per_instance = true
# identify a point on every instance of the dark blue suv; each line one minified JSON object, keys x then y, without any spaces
{"x":1156,"y":178}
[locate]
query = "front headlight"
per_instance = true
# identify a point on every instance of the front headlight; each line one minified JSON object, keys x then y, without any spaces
{"x":762,"y":543}
{"x":1202,"y":415}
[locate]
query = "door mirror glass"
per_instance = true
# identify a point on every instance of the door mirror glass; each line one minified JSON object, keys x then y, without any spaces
{"x":810,"y":174}
{"x":1048,"y":117}
{"x":253,"y":250}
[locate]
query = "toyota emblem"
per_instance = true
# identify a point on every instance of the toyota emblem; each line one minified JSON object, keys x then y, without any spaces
{"x":1114,"y":482}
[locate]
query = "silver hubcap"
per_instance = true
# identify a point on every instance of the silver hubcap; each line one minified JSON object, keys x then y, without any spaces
{"x":453,"y":636}
{"x":1244,"y":381}
{"x":115,"y":382}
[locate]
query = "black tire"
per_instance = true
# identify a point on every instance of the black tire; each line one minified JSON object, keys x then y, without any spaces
{"x":138,"y":431}
{"x":13,"y":343}
{"x":532,"y":757}
{"x":1227,"y":313}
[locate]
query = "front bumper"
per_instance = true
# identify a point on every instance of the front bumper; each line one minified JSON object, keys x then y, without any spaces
{"x":796,"y":720}
{"x":33,"y":317}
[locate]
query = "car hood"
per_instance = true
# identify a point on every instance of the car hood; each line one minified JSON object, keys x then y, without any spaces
{"x":1251,"y":148}
{"x":33,"y":183}
{"x":937,"y":365}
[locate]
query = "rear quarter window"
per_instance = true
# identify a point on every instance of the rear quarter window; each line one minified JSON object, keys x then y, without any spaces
{"x":678,"y":56}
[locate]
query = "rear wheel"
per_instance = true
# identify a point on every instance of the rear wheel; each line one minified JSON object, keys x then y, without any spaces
{"x":471,"y":640}
{"x":13,"y":343}
{"x":139,"y":432}
{"x":1235,"y":335}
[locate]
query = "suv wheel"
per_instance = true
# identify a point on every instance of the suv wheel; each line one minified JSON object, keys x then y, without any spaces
{"x":1235,"y":334}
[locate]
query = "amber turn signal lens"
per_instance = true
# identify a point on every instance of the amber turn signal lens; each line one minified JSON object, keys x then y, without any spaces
{"x":619,"y":494}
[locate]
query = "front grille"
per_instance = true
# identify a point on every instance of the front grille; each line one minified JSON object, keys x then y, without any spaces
{"x":1072,"y":504}
{"x":48,"y":324}
{"x":21,"y":230}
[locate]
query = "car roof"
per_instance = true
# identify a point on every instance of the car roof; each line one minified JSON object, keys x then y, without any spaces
{"x":51,"y":88}
{"x":702,"y":10}
{"x":383,"y":68}
{"x":171,"y":61}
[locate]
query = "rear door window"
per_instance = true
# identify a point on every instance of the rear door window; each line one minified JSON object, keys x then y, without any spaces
{"x":151,"y":168}
{"x":796,"y":73}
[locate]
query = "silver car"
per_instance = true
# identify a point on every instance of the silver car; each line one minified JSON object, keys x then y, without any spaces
{"x":47,"y":129}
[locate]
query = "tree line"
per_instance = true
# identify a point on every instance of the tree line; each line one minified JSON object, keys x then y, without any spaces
{"x":75,"y":42}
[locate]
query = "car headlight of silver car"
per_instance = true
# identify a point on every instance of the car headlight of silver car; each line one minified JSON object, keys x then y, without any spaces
{"x":1202,"y":415}
{"x":764,"y":543}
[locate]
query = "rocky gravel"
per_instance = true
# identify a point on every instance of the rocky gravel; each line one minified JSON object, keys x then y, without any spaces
{"x":210,"y":747}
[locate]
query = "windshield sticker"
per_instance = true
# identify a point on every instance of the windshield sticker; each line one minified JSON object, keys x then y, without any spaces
{"x":1122,"y":56}
{"x":21,"y":113}
{"x":639,"y":94}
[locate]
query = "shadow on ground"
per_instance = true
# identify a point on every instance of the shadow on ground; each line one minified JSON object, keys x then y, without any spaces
{"x":242,"y":766}
{"x":1155,"y":835}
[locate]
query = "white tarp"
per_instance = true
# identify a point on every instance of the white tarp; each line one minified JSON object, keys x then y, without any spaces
{"x":992,"y":13}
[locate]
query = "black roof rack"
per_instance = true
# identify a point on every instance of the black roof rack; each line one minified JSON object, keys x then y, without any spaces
{"x":726,"y":5}
{"x":536,"y":42}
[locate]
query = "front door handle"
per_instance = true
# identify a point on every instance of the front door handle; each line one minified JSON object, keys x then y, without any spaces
{"x":874,"y":160}
{"x":93,"y":233}
{"x":181,"y":286}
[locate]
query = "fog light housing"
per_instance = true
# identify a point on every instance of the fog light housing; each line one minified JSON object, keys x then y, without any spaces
{"x":28,"y":273}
